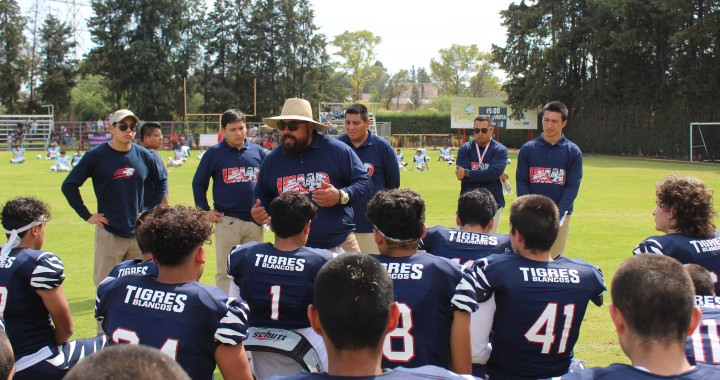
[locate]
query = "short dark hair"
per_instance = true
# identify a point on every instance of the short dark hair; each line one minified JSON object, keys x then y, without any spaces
{"x":127,"y":361}
{"x":231,"y":116}
{"x":476,"y":207}
{"x":171,"y":234}
{"x":358,"y":109}
{"x":353,"y":295}
{"x":289,"y":212}
{"x":399,"y":215}
{"x":691,"y":204}
{"x":148,"y":128}
{"x":7,"y":358}
{"x":655,"y":296}
{"x":536,"y":218}
{"x":702,"y":280}
{"x":484,"y":118}
{"x":62,"y":152}
{"x":556,"y":106}
{"x":20,"y":212}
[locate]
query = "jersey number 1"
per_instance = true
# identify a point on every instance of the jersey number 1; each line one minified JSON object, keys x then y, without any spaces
{"x":547,"y":321}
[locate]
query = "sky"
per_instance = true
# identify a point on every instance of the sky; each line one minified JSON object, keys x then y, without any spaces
{"x":412,"y":32}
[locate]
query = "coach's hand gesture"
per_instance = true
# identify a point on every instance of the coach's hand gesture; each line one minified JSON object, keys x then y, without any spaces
{"x":98,"y":219}
{"x":327,"y":197}
{"x":259,"y":214}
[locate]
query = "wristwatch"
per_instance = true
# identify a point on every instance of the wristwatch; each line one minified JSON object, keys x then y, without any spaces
{"x":344,"y":198}
{"x":467,"y":173}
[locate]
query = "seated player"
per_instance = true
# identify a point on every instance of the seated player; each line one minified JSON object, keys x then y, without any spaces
{"x":201,"y":153}
{"x":198,"y":325}
{"x":128,"y":361}
{"x":401,"y":159}
{"x":473,"y":240}
{"x":62,"y":163}
{"x":420,"y":160}
{"x":685,"y":214}
{"x":76,"y":157}
{"x":174,"y":163}
{"x":533,"y":305}
{"x":701,"y":346}
{"x":653,"y":313}
{"x":276,"y":280}
{"x":36,"y":312}
{"x":353,"y":310}
{"x":436,"y":295}
{"x":7,"y":358}
{"x":18,"y":155}
{"x":445,"y":155}
{"x":53,"y":152}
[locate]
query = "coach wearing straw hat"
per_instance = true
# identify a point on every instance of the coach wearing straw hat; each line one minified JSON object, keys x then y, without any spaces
{"x":322,"y":167}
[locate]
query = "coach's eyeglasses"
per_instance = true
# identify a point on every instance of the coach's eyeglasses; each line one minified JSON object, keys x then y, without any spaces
{"x":124,"y":126}
{"x":291,"y":125}
{"x":478,"y":130}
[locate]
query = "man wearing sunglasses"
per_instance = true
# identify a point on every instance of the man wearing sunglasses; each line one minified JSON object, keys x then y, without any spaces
{"x":119,"y":170}
{"x":321,"y":167}
{"x":480,"y":164}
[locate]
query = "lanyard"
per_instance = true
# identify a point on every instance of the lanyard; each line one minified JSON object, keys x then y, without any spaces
{"x":480,"y":157}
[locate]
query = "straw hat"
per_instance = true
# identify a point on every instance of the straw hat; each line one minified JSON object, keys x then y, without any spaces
{"x":295,"y":109}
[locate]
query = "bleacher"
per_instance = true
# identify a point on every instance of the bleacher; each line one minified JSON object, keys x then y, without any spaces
{"x":31,"y":141}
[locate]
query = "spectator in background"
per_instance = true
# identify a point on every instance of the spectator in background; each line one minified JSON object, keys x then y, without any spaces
{"x":151,"y":138}
{"x":18,"y":155}
{"x":33,"y":127}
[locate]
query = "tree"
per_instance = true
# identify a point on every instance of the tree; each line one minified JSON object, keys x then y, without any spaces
{"x":415,"y":97}
{"x":90,"y":98}
{"x":456,"y":66}
{"x":57,"y":70}
{"x":396,"y":85}
{"x":13,"y":68}
{"x":145,"y":49}
{"x":422,"y":76}
{"x":484,"y":82}
{"x":357,"y":49}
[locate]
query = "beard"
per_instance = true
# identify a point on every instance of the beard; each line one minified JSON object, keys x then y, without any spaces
{"x":293,"y":146}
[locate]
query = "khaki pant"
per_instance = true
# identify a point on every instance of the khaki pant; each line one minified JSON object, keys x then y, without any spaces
{"x":558,"y":247}
{"x":111,"y":250}
{"x":366,"y":242}
{"x":350,"y":245}
{"x":496,"y":221}
{"x":229,"y":232}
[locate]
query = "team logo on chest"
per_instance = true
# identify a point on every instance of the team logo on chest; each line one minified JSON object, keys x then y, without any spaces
{"x":302,"y":183}
{"x":479,"y":166}
{"x":547,"y":175}
{"x":235,"y":175}
{"x":125,"y":172}
{"x":369,"y":168}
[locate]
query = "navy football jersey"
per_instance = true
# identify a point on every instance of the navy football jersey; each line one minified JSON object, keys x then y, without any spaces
{"x":28,"y":323}
{"x":626,"y":372}
{"x":429,"y":289}
{"x":463,"y":247}
{"x":399,"y":373}
{"x":187,"y":321}
{"x":136,"y":266}
{"x":539,"y":309}
{"x":277,"y":285}
{"x":687,"y":250}
{"x":703,"y":346}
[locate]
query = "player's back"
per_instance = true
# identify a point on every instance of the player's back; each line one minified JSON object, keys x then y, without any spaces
{"x":429,"y":289}
{"x":626,"y":372}
{"x":277,"y":285}
{"x":134,"y":267}
{"x":187,"y":321}
{"x":399,"y":373}
{"x":687,"y":249}
{"x":702,"y":346}
{"x":463,"y":247}
{"x":539,"y":309}
{"x":27,"y":319}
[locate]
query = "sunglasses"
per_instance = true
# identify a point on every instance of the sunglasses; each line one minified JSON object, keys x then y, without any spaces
{"x":478,"y":130}
{"x":291,"y":125}
{"x":124,"y":126}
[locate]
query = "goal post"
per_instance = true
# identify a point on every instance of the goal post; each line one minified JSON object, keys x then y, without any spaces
{"x":700,"y":142}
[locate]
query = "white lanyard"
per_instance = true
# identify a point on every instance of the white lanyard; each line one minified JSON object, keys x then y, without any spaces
{"x":480,"y":157}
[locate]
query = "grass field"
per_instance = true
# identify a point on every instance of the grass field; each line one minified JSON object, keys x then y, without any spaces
{"x":612,"y":215}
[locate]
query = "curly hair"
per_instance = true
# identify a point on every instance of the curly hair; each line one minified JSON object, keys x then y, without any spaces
{"x":690,"y":203}
{"x":398,"y":214}
{"x":22,"y":211}
{"x":171,"y":234}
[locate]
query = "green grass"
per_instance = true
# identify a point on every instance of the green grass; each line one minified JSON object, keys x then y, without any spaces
{"x":612,"y":215}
